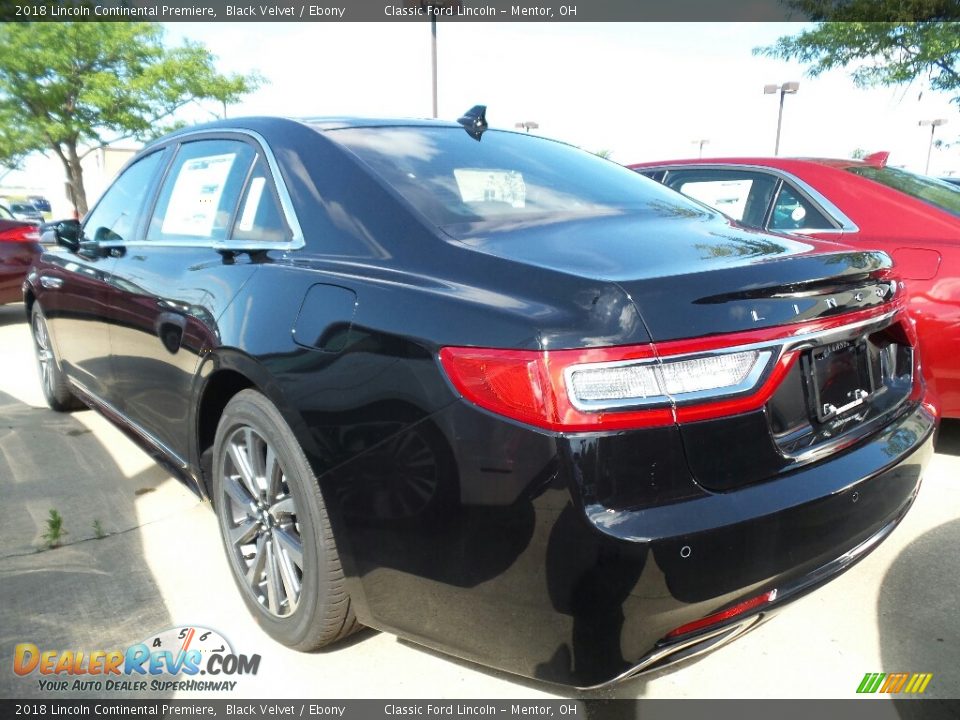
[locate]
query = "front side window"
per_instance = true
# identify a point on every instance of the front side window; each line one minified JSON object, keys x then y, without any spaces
{"x":743,"y":195}
{"x":115,"y":216}
{"x":201,"y":191}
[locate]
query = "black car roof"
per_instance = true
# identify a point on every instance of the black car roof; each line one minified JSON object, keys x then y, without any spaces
{"x":271,"y":123}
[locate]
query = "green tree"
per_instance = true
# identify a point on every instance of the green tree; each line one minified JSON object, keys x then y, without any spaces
{"x":69,"y":86}
{"x":883,"y":42}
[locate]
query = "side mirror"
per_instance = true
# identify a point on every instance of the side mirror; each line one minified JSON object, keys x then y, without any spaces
{"x":62,"y":232}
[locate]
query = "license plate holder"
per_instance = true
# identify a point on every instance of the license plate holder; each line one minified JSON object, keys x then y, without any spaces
{"x":840,"y":378}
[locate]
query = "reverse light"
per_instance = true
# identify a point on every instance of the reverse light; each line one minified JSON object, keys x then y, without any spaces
{"x":604,"y":385}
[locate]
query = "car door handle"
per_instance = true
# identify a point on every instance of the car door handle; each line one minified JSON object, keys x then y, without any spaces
{"x":51,"y":283}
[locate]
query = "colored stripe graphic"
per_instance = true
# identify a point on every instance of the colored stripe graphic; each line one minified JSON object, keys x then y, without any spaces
{"x":894,"y":683}
{"x":914,"y":683}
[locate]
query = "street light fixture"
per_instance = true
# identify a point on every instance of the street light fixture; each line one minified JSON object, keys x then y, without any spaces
{"x":934,"y":124}
{"x":701,"y":143}
{"x":528,"y":125}
{"x":788,"y":88}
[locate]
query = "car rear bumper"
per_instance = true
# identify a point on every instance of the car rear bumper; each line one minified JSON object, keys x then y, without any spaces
{"x":523,"y":570}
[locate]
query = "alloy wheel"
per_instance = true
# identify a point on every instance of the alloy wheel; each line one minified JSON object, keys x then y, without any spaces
{"x":260,"y":516}
{"x":44,"y":354}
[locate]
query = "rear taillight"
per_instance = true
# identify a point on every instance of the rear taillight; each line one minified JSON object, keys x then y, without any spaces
{"x":617,"y":388}
{"x":20,"y":234}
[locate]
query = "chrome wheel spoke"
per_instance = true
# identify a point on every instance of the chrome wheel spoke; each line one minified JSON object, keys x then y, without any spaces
{"x":283,"y":508}
{"x":242,"y":463}
{"x":272,"y":474}
{"x":244,"y":532}
{"x":255,"y":572}
{"x":273,"y":579}
{"x":255,"y":457}
{"x":291,"y":584}
{"x":290,"y":546}
{"x":238,"y":492}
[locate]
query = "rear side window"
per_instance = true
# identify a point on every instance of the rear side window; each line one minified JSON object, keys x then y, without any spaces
{"x":792,"y":211}
{"x":657,"y":175}
{"x":115,"y":216}
{"x":260,"y":216}
{"x":201,"y":191}
{"x":940,"y":194}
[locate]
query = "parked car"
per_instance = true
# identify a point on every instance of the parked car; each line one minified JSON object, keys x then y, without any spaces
{"x":19,"y":248}
{"x":913,"y":218}
{"x":40,"y":203}
{"x":485,"y":390}
{"x":25,"y":211}
{"x":953,"y":180}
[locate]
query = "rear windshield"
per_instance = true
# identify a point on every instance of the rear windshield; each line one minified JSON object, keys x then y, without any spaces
{"x":935,"y":192}
{"x":453,"y":179}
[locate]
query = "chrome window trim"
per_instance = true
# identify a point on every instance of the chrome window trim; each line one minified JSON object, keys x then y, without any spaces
{"x":846,"y":225}
{"x":297,"y":239}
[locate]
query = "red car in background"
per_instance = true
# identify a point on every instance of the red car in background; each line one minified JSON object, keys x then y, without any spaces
{"x":19,"y":246}
{"x":864,"y":203}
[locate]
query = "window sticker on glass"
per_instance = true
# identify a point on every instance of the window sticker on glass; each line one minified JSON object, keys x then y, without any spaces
{"x":196,"y":196}
{"x":252,"y":204}
{"x":478,"y":185}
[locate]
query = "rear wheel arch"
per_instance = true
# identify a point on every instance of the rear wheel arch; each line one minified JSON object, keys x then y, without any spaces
{"x":222,"y":376}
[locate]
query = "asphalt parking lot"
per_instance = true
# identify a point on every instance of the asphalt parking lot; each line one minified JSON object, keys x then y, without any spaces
{"x":160,"y":565}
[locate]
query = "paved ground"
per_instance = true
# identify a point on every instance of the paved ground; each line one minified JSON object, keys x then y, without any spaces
{"x":161,"y":565}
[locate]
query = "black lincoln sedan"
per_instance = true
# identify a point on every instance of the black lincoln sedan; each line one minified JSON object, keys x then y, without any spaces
{"x":484,"y":390}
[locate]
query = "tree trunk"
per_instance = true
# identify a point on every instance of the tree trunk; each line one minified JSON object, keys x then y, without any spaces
{"x":71,"y":163}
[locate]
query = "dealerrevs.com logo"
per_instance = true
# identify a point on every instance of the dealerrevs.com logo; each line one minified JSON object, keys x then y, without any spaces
{"x":173,"y":660}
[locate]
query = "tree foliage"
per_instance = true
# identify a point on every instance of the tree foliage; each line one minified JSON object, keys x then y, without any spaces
{"x":883,"y":42}
{"x":66,"y":86}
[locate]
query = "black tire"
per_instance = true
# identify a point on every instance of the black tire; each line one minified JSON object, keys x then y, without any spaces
{"x":56,"y":388}
{"x":254,"y":441}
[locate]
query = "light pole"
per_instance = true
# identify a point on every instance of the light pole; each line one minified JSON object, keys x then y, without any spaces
{"x":701,"y":143}
{"x":431,"y":7}
{"x":528,"y":125}
{"x":934,"y":124}
{"x":433,"y":60}
{"x":788,"y":88}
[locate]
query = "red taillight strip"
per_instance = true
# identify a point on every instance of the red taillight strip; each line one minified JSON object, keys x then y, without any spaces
{"x":529,"y":385}
{"x":719,"y":617}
